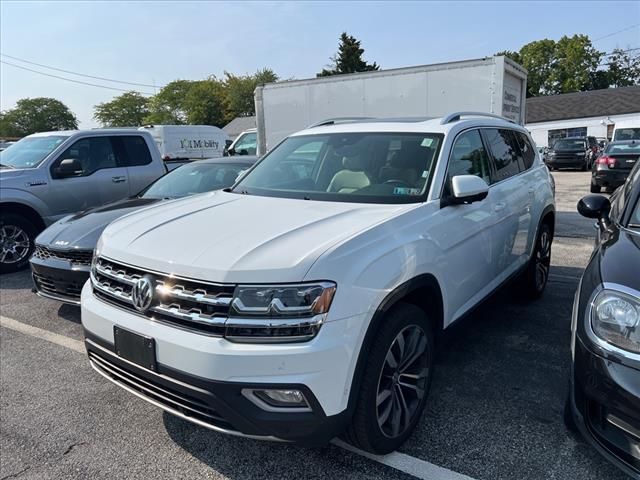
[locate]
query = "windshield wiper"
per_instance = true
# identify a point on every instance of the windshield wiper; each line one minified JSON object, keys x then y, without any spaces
{"x":2,"y":165}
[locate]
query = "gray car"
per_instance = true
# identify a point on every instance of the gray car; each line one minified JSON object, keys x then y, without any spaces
{"x":61,"y":262}
{"x":47,"y":176}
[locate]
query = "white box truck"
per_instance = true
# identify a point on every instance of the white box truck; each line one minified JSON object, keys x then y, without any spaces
{"x":493,"y":84}
{"x":188,"y":142}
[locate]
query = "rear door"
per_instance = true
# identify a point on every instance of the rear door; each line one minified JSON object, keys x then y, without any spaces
{"x":513,"y":199}
{"x":102,"y":179}
{"x":134,"y":154}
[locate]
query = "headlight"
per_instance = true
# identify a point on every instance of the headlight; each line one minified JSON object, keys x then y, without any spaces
{"x":615,"y":318}
{"x":278,"y":313}
{"x":282,"y":300}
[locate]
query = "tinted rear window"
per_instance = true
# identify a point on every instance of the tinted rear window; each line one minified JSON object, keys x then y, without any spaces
{"x":528,"y":153}
{"x":505,"y":151}
{"x":623,"y":148}
{"x":136,"y":151}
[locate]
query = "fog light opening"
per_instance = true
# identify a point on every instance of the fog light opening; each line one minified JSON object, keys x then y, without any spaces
{"x":278,"y":400}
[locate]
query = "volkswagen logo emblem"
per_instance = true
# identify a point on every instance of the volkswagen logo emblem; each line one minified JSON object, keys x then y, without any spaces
{"x":142,"y":293}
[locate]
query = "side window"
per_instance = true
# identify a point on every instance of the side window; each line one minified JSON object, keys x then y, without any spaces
{"x":505,"y":151}
{"x":135,"y":151}
{"x":528,"y":153}
{"x":468,"y":157}
{"x":248,"y":143}
{"x":91,"y":154}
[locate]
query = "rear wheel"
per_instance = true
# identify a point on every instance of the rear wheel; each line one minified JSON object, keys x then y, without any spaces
{"x":17,"y":236}
{"x":395,"y":381}
{"x":595,"y":188}
{"x":535,"y":277}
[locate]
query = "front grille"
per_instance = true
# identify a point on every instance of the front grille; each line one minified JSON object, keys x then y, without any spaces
{"x":77,"y":257}
{"x":186,"y":303}
{"x":188,"y":405}
{"x":58,"y":286}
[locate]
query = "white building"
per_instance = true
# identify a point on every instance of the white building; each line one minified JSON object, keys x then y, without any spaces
{"x":580,"y":114}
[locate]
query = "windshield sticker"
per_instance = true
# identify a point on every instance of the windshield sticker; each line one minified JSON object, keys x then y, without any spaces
{"x":427,"y":142}
{"x":406,"y":191}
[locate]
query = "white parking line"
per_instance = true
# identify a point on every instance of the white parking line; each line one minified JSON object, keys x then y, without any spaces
{"x":399,"y":461}
{"x":407,"y":464}
{"x":61,"y":340}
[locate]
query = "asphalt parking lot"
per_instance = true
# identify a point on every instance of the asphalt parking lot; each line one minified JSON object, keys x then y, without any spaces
{"x":495,"y":408}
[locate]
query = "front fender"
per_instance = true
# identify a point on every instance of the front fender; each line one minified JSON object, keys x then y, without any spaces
{"x":9,"y":196}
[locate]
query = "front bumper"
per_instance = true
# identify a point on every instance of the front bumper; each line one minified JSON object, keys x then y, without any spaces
{"x":605,"y":402}
{"x":200,"y":377}
{"x":59,"y":279}
{"x":569,"y":161}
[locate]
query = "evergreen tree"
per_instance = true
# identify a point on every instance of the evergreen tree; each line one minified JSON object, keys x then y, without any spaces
{"x":349,"y":58}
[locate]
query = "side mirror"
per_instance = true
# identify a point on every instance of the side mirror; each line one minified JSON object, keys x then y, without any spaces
{"x":69,"y":167}
{"x":231,"y":152}
{"x":468,"y":189}
{"x":595,"y":206}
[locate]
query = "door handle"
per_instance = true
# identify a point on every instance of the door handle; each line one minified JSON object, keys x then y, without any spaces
{"x":118,"y":179}
{"x":499,"y":206}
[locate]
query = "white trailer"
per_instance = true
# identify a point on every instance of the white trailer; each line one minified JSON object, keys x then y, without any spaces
{"x":493,"y":84}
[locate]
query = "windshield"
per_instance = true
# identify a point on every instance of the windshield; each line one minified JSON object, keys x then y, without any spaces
{"x":622,"y":148}
{"x":567,"y":144}
{"x":30,"y":152}
{"x":347,"y":167}
{"x":627,"y":134}
{"x":194,"y":178}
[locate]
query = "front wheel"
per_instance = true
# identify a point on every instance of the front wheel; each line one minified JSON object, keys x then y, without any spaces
{"x":536,"y":276}
{"x":595,"y":188}
{"x":17,"y":236}
{"x":396,"y":380}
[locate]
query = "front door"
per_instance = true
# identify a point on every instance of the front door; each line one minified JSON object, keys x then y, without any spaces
{"x":466,"y":233}
{"x":101,"y":178}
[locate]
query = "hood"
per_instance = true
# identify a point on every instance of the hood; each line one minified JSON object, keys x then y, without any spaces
{"x":83,"y":229}
{"x":233,"y":238}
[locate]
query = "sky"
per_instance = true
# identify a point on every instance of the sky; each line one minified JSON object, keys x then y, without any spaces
{"x":155,"y":42}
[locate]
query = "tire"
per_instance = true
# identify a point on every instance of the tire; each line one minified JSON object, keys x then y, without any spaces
{"x":17,"y":242}
{"x":535,"y":278}
{"x":388,"y":409}
{"x":585,"y":167}
{"x":595,"y":188}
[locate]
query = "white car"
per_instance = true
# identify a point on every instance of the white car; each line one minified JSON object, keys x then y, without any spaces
{"x":307,"y":300}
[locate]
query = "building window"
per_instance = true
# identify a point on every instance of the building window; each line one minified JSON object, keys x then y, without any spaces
{"x":554,"y":135}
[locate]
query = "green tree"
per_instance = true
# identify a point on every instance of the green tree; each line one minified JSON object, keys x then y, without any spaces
{"x":575,"y":61}
{"x":349,"y":58}
{"x":239,"y":92}
{"x":32,"y":115}
{"x":538,"y":58}
{"x":168,"y":106}
{"x":127,"y":110}
{"x":624,"y":69}
{"x":568,"y":65}
{"x":204,"y":103}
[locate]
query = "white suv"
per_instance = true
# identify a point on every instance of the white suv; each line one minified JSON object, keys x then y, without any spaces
{"x":306,"y":301}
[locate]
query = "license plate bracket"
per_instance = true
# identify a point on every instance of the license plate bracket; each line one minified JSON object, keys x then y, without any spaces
{"x":135,"y":348}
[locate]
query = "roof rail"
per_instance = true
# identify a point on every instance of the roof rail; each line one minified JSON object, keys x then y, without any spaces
{"x":454,"y":117}
{"x":333,"y":121}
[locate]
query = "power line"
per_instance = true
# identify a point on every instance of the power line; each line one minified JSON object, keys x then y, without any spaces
{"x":70,"y":79}
{"x":76,"y":73}
{"x":615,"y":33}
